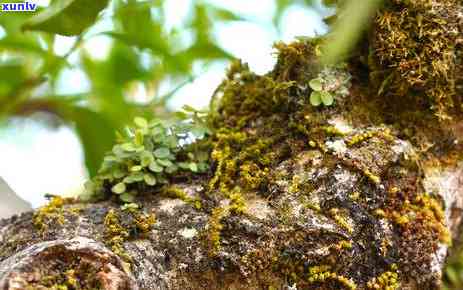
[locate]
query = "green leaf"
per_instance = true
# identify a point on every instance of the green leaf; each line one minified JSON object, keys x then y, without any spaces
{"x":146,"y":158}
{"x":66,"y":17}
{"x":129,"y":147}
{"x":96,"y":134}
{"x":141,"y":122}
{"x":162,"y":152}
{"x":155,"y":167}
{"x":193,"y":167}
{"x":225,"y":15}
{"x":184,"y":165}
{"x":134,"y":177}
{"x":149,"y":179}
{"x":315,"y":98}
{"x":164,"y":162}
{"x":171,"y":169}
{"x":118,"y":173}
{"x":327,"y":98}
{"x":127,"y":197}
{"x":118,"y":188}
{"x":136,"y":168}
{"x":316,"y":84}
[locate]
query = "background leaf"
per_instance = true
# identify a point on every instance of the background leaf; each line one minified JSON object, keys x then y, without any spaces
{"x":67,"y":17}
{"x":97,"y":135}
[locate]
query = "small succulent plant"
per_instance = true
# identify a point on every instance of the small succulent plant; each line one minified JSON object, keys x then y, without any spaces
{"x":148,"y":154}
{"x":330,"y":84}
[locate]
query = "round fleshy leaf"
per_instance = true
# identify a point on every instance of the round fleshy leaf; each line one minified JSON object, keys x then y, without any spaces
{"x":155,"y":167}
{"x":146,"y":158}
{"x":118,"y":173}
{"x":133,"y":177}
{"x":129,"y":147}
{"x":149,"y":179}
{"x":136,"y":168}
{"x":184,"y":165}
{"x":164,"y":162}
{"x":315,"y":99}
{"x":162,"y":152}
{"x":171,"y":169}
{"x":127,"y":197}
{"x":327,"y":98}
{"x":316,"y":84}
{"x":118,"y":188}
{"x":193,"y":167}
{"x":141,"y":122}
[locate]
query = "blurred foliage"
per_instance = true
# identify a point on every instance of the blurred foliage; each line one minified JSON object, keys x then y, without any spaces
{"x":348,"y":26}
{"x":144,"y":53}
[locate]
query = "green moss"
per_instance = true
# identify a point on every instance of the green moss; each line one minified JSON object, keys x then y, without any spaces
{"x":415,"y":52}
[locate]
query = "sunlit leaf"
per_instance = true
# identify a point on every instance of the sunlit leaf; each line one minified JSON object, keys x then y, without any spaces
{"x":118,"y":188}
{"x":67,"y":17}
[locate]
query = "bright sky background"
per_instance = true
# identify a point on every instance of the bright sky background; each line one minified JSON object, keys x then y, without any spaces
{"x":36,"y":159}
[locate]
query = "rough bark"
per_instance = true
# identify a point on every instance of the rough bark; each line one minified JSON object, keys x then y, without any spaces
{"x":367,"y":194}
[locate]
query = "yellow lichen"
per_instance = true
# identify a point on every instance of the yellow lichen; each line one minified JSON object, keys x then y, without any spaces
{"x":322,"y":274}
{"x":341,"y":219}
{"x":176,"y":192}
{"x":388,"y":280}
{"x":51,"y":212}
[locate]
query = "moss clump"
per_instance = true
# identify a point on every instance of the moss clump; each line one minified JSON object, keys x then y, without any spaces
{"x":416,"y":48}
{"x":121,"y":226}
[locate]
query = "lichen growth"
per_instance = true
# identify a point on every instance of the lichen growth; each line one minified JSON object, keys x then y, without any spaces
{"x":53,"y":212}
{"x":322,"y":274}
{"x":120,"y":226}
{"x":173,"y":191}
{"x":214,"y":229}
{"x":388,"y":280}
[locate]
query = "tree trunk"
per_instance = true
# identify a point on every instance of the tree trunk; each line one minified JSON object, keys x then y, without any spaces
{"x":364,"y":194}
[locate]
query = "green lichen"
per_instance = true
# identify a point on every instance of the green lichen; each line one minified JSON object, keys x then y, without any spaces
{"x":322,"y":274}
{"x":388,"y":280}
{"x":214,"y":229}
{"x":53,"y":212}
{"x":176,"y":192}
{"x":129,"y":223}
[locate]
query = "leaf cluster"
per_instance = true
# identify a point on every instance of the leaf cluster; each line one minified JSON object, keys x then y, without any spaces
{"x":148,"y":154}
